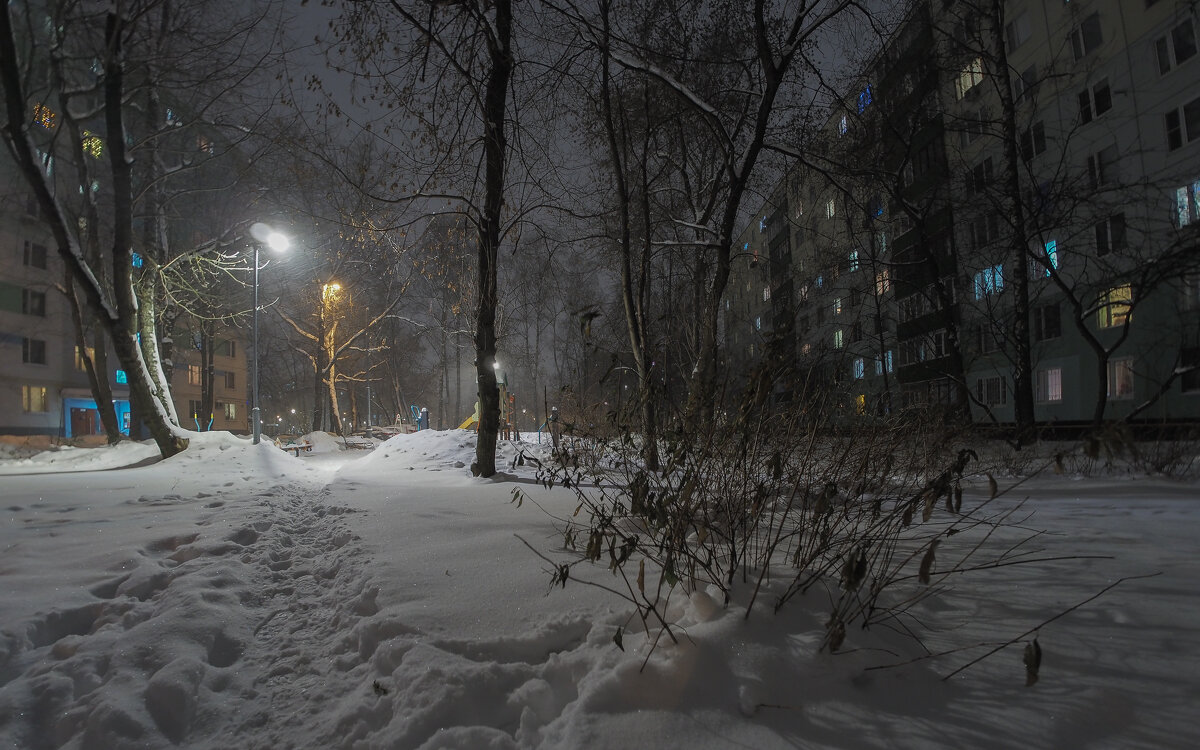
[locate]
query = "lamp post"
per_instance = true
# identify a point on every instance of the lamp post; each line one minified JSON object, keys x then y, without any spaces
{"x":262,"y":234}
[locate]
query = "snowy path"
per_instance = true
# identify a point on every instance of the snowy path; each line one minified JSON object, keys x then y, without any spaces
{"x":236,"y":597}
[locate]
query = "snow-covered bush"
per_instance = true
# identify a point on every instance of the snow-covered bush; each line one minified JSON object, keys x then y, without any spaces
{"x":862,"y":518}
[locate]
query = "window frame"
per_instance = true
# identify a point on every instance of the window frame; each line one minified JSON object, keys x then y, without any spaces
{"x":1120,"y":370}
{"x":1048,"y":386}
{"x":1114,"y":307}
{"x":1166,"y":47}
{"x":33,"y":351}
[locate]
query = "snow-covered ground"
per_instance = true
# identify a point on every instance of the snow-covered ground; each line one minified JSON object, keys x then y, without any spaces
{"x":235,"y":596}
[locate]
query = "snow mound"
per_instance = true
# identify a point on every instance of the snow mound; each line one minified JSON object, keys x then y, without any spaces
{"x":67,"y":458}
{"x":453,"y":450}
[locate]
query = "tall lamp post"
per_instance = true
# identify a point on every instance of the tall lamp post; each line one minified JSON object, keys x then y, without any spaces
{"x":262,"y":234}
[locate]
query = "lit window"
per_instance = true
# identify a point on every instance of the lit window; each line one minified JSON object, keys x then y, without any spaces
{"x":887,"y":360}
{"x":230,"y":411}
{"x":970,"y":77}
{"x":843,"y":126}
{"x":1187,"y":204}
{"x":762,"y":224}
{"x":853,"y":265}
{"x":1051,"y":258}
{"x":839,"y":339}
{"x":1115,"y":306}
{"x":837,"y":306}
{"x":44,"y":116}
{"x":989,"y":281}
{"x":1120,"y":378}
{"x":193,"y":374}
{"x":864,"y":99}
{"x":80,"y":353}
{"x":883,"y":282}
{"x":33,"y":398}
{"x":830,"y":208}
{"x":1049,"y":385}
{"x":859,"y":368}
{"x":137,"y":260}
{"x":92,"y":145}
{"x":758,"y":323}
{"x":120,"y":377}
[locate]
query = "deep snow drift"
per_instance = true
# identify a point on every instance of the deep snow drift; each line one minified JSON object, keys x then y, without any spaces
{"x":236,"y":596}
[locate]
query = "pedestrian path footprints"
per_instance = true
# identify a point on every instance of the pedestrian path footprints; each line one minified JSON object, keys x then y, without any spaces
{"x":276,"y":612}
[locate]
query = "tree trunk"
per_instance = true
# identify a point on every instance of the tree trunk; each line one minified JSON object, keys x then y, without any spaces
{"x":97,"y":375}
{"x":495,"y":150}
{"x":1022,"y":355}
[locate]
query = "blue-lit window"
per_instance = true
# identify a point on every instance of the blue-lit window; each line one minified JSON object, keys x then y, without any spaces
{"x":121,"y":377}
{"x":843,"y":126}
{"x":1051,"y":256}
{"x":762,"y":224}
{"x":853,"y":261}
{"x":989,"y":281}
{"x":859,"y":368}
{"x":864,"y":99}
{"x":758,"y":324}
{"x":137,"y":260}
{"x":820,"y":281}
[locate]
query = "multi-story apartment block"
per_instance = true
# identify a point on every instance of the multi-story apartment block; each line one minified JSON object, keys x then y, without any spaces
{"x":43,"y":386}
{"x":997,"y":195}
{"x":229,"y":386}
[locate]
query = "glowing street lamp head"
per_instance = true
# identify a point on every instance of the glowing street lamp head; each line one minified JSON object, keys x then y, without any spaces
{"x":273,"y":239}
{"x":278,"y":242}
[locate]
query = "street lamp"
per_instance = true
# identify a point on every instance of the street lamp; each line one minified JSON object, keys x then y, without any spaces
{"x":263,"y":235}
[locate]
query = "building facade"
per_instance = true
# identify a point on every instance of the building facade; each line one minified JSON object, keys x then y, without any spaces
{"x":997,"y":198}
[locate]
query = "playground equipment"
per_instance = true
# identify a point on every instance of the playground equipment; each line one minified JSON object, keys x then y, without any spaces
{"x":508,"y":407}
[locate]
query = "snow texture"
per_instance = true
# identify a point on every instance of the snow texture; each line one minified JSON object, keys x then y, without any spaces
{"x":235,"y":596}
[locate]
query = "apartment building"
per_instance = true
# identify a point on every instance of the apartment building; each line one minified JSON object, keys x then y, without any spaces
{"x":1028,"y":179}
{"x":44,"y":389}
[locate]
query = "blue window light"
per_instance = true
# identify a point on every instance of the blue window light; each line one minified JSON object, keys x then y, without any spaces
{"x":121,"y":377}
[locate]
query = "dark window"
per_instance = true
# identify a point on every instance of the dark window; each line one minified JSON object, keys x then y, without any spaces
{"x":1110,"y":234}
{"x":1047,"y":322}
{"x":1189,"y":381}
{"x":33,"y":351}
{"x":1102,"y":166}
{"x":1183,"y":124}
{"x":1033,"y":141}
{"x":33,"y":303}
{"x":1094,"y":101}
{"x":1086,"y":36}
{"x":35,"y":255}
